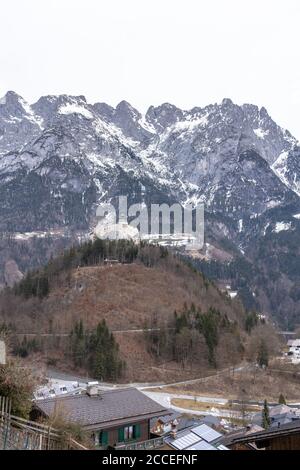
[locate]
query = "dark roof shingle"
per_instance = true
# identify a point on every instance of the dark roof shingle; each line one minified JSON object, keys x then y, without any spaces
{"x":113,"y":407}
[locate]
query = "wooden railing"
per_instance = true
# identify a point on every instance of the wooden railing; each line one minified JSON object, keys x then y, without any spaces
{"x":144,"y":445}
{"x":19,"y":433}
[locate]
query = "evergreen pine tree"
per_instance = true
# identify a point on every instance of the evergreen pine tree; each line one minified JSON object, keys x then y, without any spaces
{"x":104,"y":361}
{"x":263,"y":355}
{"x":78,"y":344}
{"x":281,"y":399}
{"x":266,"y":421}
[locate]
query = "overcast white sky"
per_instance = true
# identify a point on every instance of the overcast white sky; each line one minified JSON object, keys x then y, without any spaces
{"x":187,"y":52}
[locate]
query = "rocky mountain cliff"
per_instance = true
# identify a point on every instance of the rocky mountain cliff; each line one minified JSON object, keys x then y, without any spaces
{"x":60,"y":156}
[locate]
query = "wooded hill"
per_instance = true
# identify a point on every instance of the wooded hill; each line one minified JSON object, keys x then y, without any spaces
{"x":147,"y":316}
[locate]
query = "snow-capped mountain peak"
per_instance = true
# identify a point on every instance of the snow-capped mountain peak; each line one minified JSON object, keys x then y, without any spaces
{"x":199,"y":148}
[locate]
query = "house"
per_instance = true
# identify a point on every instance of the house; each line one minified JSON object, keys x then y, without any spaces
{"x":294,"y":350}
{"x":56,"y":387}
{"x":113,"y":418}
{"x":200,"y":437}
{"x":279,"y":414}
{"x":285,"y":437}
{"x":293,"y":342}
{"x":110,"y":262}
{"x":283,"y":414}
{"x":262,"y":317}
{"x":229,"y":440}
{"x":165,"y":424}
{"x":213,"y":421}
{"x":175,"y":421}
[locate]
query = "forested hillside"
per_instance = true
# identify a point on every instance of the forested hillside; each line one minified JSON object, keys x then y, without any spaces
{"x":140,"y":308}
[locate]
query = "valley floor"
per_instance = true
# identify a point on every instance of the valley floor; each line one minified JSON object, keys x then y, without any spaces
{"x":246,"y":384}
{"x":232,"y":393}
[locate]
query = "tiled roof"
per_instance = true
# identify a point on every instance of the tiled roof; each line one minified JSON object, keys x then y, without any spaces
{"x":285,"y":429}
{"x":168,"y":418}
{"x":111,"y":407}
{"x":279,"y":409}
{"x":211,"y":420}
{"x":227,"y":439}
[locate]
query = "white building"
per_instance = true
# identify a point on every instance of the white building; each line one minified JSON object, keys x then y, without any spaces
{"x":294,"y":350}
{"x":57,"y":387}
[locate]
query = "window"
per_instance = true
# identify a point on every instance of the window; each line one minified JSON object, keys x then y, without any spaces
{"x":103,"y":438}
{"x":128,"y":433}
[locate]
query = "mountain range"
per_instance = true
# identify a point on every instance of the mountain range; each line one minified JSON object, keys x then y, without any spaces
{"x":61,"y":156}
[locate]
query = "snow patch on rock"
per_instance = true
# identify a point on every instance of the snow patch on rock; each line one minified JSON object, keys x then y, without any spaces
{"x":72,"y":108}
{"x":261,"y":133}
{"x":282,"y":226}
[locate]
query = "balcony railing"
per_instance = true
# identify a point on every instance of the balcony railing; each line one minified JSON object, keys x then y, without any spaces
{"x":144,"y":445}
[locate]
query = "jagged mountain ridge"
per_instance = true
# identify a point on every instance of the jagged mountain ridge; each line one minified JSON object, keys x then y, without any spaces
{"x":60,"y":156}
{"x":74,"y":148}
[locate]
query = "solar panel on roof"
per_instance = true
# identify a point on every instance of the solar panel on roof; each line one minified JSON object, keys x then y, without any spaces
{"x":207,"y":433}
{"x":185,"y":441}
{"x":201,"y":445}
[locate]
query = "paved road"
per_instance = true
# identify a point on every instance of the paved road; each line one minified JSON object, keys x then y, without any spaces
{"x":56,"y":374}
{"x":164,"y":399}
{"x":200,"y":379}
{"x":64,"y":335}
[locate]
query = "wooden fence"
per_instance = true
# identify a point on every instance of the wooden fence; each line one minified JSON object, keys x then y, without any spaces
{"x":20,"y":434}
